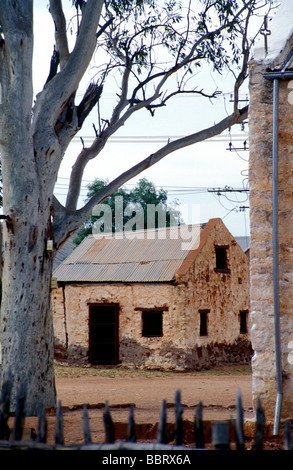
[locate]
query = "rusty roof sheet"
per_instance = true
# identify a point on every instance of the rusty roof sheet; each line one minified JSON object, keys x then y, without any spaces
{"x":148,"y":256}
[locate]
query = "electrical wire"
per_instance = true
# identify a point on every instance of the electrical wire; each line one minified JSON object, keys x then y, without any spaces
{"x":131,"y":139}
{"x":63,"y":182}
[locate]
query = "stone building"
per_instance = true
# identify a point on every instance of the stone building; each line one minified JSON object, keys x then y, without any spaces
{"x":271,"y":216}
{"x":149,"y":302}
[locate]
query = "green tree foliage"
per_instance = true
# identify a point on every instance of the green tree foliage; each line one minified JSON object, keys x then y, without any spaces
{"x":144,"y":194}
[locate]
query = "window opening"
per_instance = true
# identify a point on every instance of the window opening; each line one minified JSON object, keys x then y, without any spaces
{"x":243,"y":321}
{"x":203,"y":325}
{"x":152,"y":323}
{"x":221,"y":259}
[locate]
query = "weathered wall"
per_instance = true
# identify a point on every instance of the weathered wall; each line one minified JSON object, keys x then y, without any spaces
{"x":224,"y":294}
{"x":261,"y":252}
{"x":133,"y":346}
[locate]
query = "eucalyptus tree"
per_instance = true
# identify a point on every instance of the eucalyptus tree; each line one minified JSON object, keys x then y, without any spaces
{"x":155,"y":50}
{"x":139,"y":199}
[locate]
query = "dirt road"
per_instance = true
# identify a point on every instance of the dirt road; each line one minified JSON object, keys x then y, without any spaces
{"x":217,"y":394}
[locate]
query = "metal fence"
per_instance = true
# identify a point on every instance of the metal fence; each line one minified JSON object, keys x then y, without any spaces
{"x":13,"y":438}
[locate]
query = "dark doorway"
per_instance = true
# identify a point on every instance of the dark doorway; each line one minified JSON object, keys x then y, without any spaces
{"x":103,"y":334}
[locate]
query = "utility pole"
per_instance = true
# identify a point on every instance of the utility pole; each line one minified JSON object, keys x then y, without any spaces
{"x":227,"y":189}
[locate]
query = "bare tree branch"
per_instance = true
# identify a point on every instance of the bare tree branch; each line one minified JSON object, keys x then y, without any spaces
{"x":57,"y":13}
{"x":126,"y":107}
{"x":52,"y":100}
{"x":69,"y":221}
{"x":83,"y":158}
{"x":160,"y":78}
{"x":55,"y":60}
{"x":90,"y":99}
{"x":245,"y":58}
{"x":123,"y":96}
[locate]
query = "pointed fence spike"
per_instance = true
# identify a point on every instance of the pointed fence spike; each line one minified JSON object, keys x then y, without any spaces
{"x":131,"y":436}
{"x":287,"y":435}
{"x":59,"y":438}
{"x":162,"y":429}
{"x":19,"y":413}
{"x":220,"y":435}
{"x":108,"y":423}
{"x":238,"y":424}
{"x":7,"y":384}
{"x":42,"y":426}
{"x":86,"y":425}
{"x":5,"y":404}
{"x":178,"y":419}
{"x":199,"y":427}
{"x":259,"y":426}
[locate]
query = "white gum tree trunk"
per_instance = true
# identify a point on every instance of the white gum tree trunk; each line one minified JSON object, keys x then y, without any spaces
{"x":31,"y":152}
{"x":26,"y":321}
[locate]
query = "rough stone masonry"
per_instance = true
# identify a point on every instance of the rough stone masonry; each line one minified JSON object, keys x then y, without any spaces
{"x":261,"y":248}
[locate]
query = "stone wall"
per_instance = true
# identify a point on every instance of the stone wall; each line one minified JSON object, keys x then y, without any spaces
{"x":261,"y":252}
{"x":225,"y":294}
{"x":197,"y":286}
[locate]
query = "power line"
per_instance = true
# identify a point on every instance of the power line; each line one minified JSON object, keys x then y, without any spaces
{"x":140,"y":139}
{"x":172,"y":188}
{"x":227,"y":189}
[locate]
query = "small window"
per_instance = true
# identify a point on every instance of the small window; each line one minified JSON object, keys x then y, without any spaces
{"x":221,"y":259}
{"x":152,"y":323}
{"x":203,"y":325}
{"x":243,"y":321}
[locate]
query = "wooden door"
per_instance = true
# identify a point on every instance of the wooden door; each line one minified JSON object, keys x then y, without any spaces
{"x":103,"y":334}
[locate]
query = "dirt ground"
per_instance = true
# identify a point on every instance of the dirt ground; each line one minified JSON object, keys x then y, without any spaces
{"x":217,"y":393}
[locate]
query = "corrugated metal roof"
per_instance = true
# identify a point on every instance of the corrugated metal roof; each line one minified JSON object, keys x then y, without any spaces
{"x":148,"y":256}
{"x":63,"y":252}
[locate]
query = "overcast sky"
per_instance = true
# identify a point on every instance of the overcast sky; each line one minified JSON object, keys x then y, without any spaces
{"x":189,"y":174}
